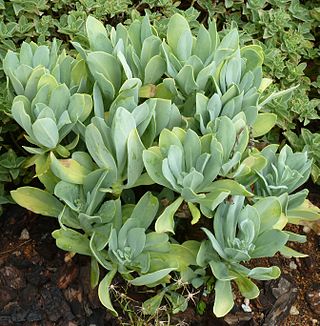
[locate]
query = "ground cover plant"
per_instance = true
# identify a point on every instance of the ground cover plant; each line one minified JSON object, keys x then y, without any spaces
{"x":134,"y":127}
{"x":287,"y":31}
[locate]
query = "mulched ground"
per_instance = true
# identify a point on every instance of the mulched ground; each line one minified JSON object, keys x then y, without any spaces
{"x":42,"y":285}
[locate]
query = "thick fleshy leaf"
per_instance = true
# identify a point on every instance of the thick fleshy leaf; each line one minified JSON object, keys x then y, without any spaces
{"x":247,"y":288}
{"x":179,"y":36}
{"x":203,"y":44}
{"x":289,"y":252}
{"x":152,"y":160}
{"x":68,"y":170}
{"x":80,"y":107}
{"x":165,"y":222}
{"x":220,"y":271}
{"x":41,"y":56}
{"x":106,"y":65}
{"x":151,"y":306}
{"x":20,"y":115}
{"x":223,"y":300}
{"x":265,"y":273}
{"x":104,"y":291}
{"x":94,"y":273}
{"x":46,"y":132}
{"x":231,"y":186}
{"x":206,"y":254}
{"x":59,"y":100}
{"x":195,"y":212}
{"x":212,"y":200}
{"x":97,"y":35}
{"x":98,"y":150}
{"x":145,"y":210}
{"x":141,"y":217}
{"x":122,"y":125}
{"x":157,"y":242}
{"x":72,"y":241}
{"x":136,"y":240}
{"x":31,"y":88}
{"x":155,"y":68}
{"x":68,"y":193}
{"x":254,"y":56}
{"x":264,"y":123}
{"x":215,"y":244}
{"x":135,"y":149}
{"x":37,"y":201}
{"x":185,"y":79}
{"x":305,"y":212}
{"x":228,"y":45}
{"x":151,"y":278}
{"x":98,"y":101}
{"x":275,"y":239}
{"x":269,"y":209}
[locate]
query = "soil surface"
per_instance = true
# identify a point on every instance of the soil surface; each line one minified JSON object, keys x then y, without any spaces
{"x":42,"y":285}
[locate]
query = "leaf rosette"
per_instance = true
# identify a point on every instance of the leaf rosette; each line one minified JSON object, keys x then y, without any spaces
{"x":241,"y":233}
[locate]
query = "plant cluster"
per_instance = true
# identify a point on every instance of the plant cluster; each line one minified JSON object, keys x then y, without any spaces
{"x":286,"y":31}
{"x":133,"y":128}
{"x":40,"y":22}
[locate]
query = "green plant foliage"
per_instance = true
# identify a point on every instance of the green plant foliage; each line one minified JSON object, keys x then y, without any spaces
{"x":284,"y":172}
{"x":308,"y":142}
{"x":287,"y":32}
{"x":188,"y":165}
{"x":40,"y":22}
{"x":240,"y":234}
{"x":138,"y":137}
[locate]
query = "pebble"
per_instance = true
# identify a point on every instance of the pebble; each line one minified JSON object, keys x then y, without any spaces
{"x":293,"y":265}
{"x":294,"y":311}
{"x":284,"y":286}
{"x":24,"y":235}
{"x":306,"y":229}
{"x":246,"y":306}
{"x":285,"y":294}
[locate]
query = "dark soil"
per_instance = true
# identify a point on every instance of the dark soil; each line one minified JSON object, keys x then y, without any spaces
{"x":42,"y":285}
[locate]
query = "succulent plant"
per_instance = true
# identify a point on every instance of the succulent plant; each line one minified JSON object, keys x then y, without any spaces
{"x":188,"y":165}
{"x":230,"y":76}
{"x":308,"y":142}
{"x":241,"y":233}
{"x":24,"y":69}
{"x":51,"y":114}
{"x":117,"y":144}
{"x":284,"y":172}
{"x":180,"y":115}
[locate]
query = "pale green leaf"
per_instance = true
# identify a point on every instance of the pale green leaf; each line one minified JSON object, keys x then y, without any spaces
{"x":37,"y":201}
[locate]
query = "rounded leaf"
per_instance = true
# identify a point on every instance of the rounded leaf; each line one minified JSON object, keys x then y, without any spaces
{"x":46,"y":132}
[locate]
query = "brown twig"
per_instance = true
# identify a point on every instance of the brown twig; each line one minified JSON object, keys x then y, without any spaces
{"x":14,"y":249}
